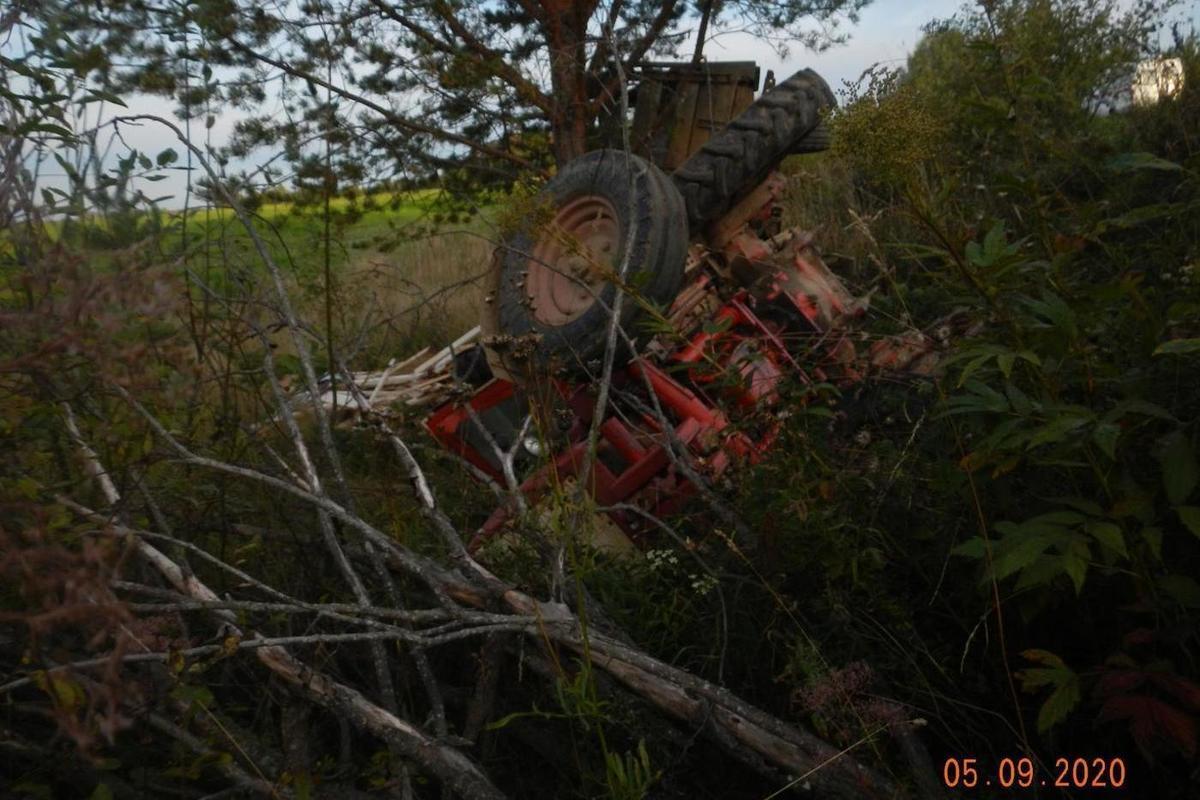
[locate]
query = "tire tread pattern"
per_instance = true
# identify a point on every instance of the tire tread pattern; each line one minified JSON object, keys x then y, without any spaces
{"x":784,"y":120}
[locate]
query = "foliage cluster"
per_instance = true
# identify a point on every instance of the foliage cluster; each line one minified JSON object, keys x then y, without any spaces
{"x":1031,"y":526}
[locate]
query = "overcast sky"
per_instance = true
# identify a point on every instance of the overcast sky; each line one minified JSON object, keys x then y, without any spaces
{"x":886,"y":33}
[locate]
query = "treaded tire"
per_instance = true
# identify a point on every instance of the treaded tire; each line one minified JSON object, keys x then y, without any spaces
{"x":738,"y":157}
{"x":817,"y":140}
{"x":641,"y":197}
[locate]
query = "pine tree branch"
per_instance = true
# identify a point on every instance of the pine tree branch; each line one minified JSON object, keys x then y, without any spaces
{"x":491,"y":60}
{"x":405,"y":123}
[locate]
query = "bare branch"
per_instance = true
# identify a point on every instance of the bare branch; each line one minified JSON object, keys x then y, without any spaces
{"x":452,"y":767}
{"x":232,"y":771}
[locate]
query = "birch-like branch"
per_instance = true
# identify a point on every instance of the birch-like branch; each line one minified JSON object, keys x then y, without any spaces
{"x":452,"y":768}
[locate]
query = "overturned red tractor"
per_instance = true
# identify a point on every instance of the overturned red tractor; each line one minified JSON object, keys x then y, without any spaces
{"x":639,"y":329}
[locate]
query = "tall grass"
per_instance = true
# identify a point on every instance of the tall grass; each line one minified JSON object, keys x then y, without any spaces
{"x":401,"y":276}
{"x":424,"y":292}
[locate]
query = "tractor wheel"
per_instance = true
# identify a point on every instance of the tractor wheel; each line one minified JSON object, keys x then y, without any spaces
{"x":739,"y":157}
{"x":558,"y":281}
{"x":817,"y":140}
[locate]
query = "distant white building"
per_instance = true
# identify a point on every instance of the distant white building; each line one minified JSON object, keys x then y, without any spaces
{"x":1140,"y":84}
{"x":1155,"y":79}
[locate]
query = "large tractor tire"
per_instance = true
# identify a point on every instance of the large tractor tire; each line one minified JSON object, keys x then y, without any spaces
{"x":818,"y":140}
{"x":784,"y":120}
{"x":558,"y":280}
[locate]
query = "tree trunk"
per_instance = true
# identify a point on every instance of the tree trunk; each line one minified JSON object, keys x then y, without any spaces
{"x":702,"y":34}
{"x":566,"y":37}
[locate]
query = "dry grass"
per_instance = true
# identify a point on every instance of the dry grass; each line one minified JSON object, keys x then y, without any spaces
{"x":424,"y":292}
{"x":820,"y":198}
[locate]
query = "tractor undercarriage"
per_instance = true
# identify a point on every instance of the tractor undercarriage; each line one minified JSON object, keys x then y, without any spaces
{"x":725,"y":319}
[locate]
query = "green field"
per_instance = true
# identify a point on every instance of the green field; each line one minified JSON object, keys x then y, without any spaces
{"x":403,"y":268}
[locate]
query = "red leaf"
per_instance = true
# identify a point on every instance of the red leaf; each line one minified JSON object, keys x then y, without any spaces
{"x":1119,"y":681}
{"x":1139,"y":636}
{"x":1150,"y":719}
{"x":1184,"y":690}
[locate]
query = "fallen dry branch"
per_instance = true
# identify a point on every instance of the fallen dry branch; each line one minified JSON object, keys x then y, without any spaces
{"x":425,"y":384}
{"x":450,"y":766}
{"x":761,"y":741}
{"x":754,"y":737}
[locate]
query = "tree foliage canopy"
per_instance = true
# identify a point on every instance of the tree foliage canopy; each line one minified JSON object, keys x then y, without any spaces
{"x":404,"y":86}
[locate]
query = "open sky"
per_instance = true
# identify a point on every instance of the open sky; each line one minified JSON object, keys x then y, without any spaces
{"x":886,"y":33}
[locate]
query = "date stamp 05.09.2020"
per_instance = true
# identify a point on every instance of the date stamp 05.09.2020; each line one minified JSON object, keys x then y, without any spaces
{"x":1023,"y":773}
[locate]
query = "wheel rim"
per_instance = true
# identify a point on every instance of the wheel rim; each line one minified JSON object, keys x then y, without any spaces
{"x":568,"y":265}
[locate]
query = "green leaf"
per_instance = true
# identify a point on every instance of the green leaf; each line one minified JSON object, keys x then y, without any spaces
{"x":1179,"y":468}
{"x":1080,"y":504}
{"x":1039,"y":573}
{"x":1127,"y":162}
{"x":47,"y":127}
{"x":968,"y":352}
{"x":1031,"y":357}
{"x":974,"y":253}
{"x":979,"y":398}
{"x":994,"y":242}
{"x":65,"y":692}
{"x":168,"y":156}
{"x":1059,"y":704}
{"x":1075,"y":565}
{"x":1039,"y":656}
{"x":970,"y":368}
{"x":1190,"y":517}
{"x":1053,"y":518}
{"x":1056,"y":673}
{"x":1018,"y":555}
{"x":1143,"y":407}
{"x":1033,"y":679}
{"x":1105,"y":435}
{"x":193,"y":694}
{"x":1141,"y":215}
{"x":713,"y":327}
{"x":108,"y":97}
{"x":1054,"y":311}
{"x":1178,"y":347}
{"x":1057,"y":429}
{"x":1109,"y":535}
{"x":971,"y":548}
{"x":1182,"y":590}
{"x":1153,"y":538}
{"x":1019,"y":401}
{"x":995,"y":247}
{"x":640,"y":279}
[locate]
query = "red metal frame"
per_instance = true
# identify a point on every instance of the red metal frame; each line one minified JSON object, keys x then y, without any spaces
{"x":735,"y":355}
{"x":699,"y":423}
{"x":445,"y":423}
